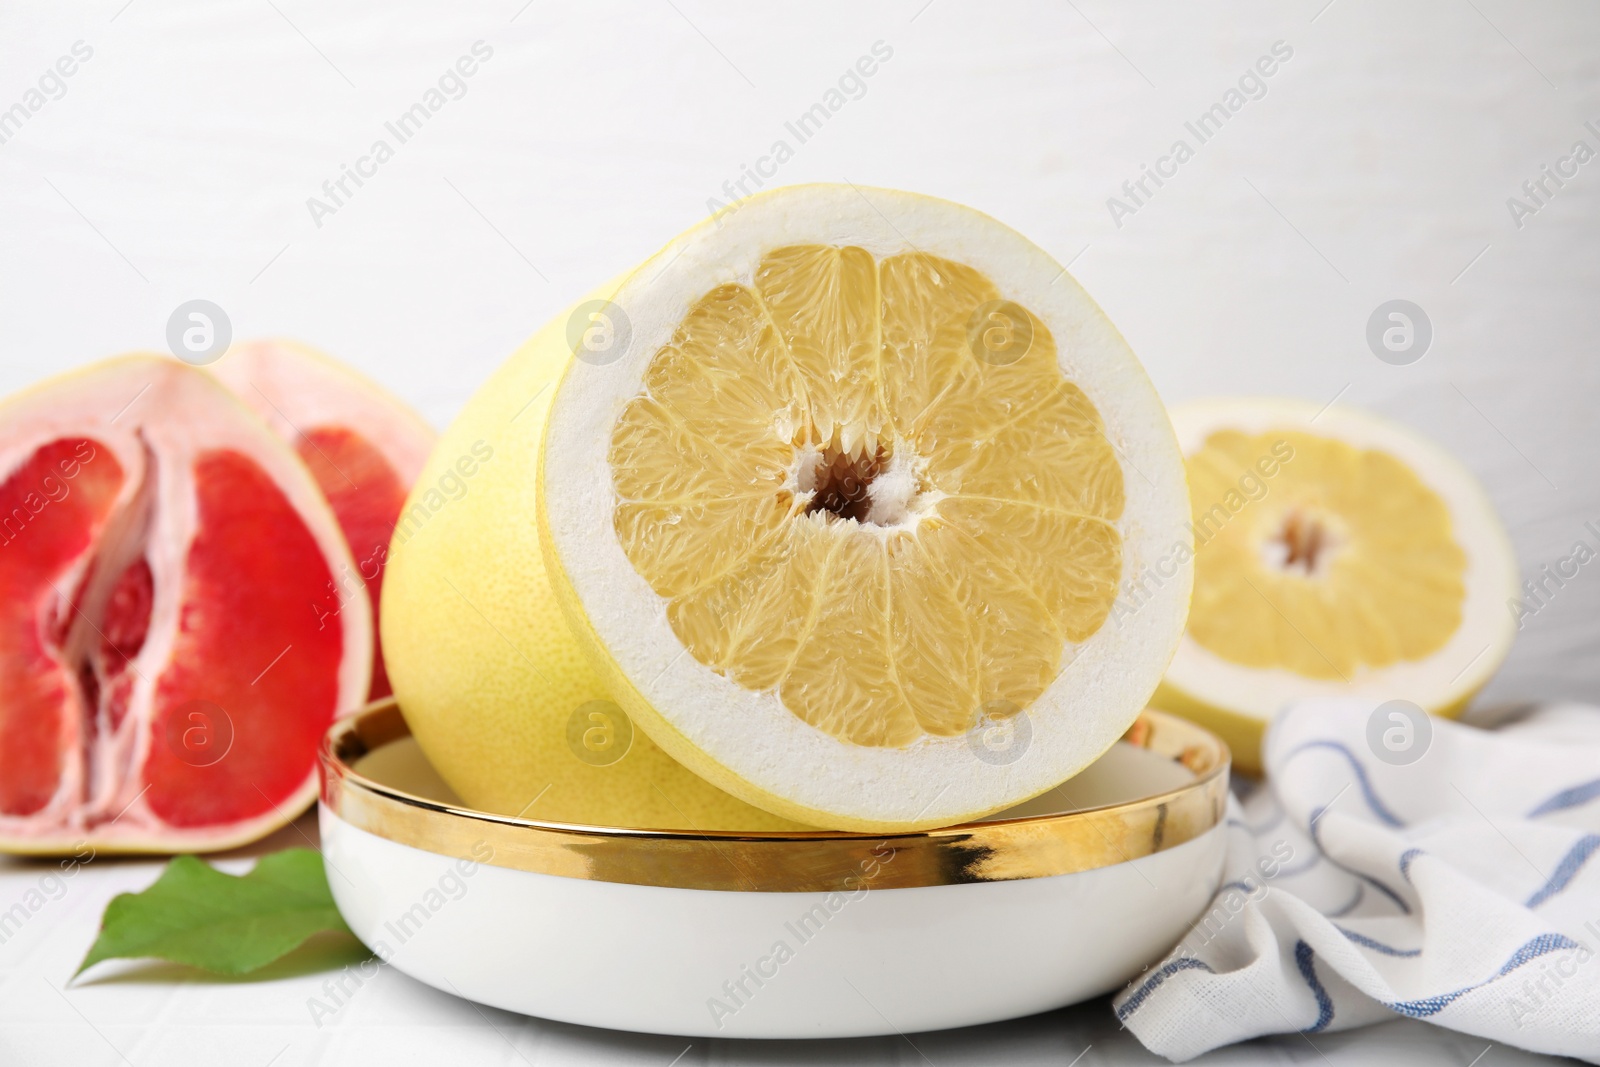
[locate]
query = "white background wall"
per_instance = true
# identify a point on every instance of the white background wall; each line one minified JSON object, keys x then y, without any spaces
{"x":179,"y":160}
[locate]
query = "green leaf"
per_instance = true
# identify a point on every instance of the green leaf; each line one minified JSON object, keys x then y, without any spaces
{"x":196,"y":914}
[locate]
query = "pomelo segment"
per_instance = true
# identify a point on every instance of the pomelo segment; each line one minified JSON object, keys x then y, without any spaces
{"x":1336,"y":553}
{"x":863,"y":485}
{"x":170,"y":648}
{"x":364,"y":446}
{"x":39,"y":684}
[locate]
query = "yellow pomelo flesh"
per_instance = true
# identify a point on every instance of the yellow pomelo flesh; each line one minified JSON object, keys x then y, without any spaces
{"x":484,"y":667}
{"x":1351,"y":565}
{"x":892,"y":536}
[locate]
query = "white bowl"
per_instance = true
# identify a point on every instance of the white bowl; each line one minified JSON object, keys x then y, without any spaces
{"x":826,"y":934}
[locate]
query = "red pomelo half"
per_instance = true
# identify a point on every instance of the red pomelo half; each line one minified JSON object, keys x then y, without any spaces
{"x":171,"y":649}
{"x":364,"y":446}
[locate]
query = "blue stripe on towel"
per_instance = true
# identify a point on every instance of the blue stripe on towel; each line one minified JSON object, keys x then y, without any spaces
{"x":1399,"y":901}
{"x":1377,"y":946}
{"x":1378,"y":807}
{"x":1568,"y":798}
{"x":1294,"y":872}
{"x":1140,"y":995}
{"x":1539,"y":946}
{"x":1304,"y":958}
{"x":1405,"y":861}
{"x":1270,"y":825}
{"x":1316,"y":857}
{"x":1567,"y":869}
{"x":1338,"y":913}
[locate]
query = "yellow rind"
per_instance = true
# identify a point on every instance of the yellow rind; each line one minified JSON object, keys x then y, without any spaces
{"x":482,"y":662}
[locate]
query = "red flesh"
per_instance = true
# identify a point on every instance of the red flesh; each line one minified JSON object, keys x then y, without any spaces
{"x":52,"y":508}
{"x":257,"y":636}
{"x":252,"y":641}
{"x":366,"y":495}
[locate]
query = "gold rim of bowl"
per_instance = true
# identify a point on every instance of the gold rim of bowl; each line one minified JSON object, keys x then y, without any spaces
{"x":819,"y":861}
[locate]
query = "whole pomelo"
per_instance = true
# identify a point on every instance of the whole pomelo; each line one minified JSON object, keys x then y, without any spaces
{"x":492,"y":683}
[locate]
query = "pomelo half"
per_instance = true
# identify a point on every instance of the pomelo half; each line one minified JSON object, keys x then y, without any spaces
{"x":363,"y":445}
{"x":1336,"y":553}
{"x":170,"y":648}
{"x":492,"y":682}
{"x":842,"y":505}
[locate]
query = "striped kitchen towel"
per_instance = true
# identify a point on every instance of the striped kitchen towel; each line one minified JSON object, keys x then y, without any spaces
{"x":1394,"y":863}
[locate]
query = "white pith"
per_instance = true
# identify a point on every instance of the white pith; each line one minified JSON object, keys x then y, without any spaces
{"x":1447,"y":676}
{"x":165,"y":413}
{"x":1105,"y":681}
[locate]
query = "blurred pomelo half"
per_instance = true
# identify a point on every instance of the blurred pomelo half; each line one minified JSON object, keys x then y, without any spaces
{"x":363,"y":445}
{"x":171,"y":649}
{"x":1336,"y":552}
{"x":845,"y":486}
